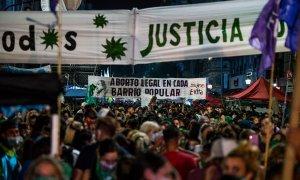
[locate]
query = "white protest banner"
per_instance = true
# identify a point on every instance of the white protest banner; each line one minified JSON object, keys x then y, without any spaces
{"x":88,"y":37}
{"x":138,"y":87}
{"x":219,"y":29}
{"x":161,"y":34}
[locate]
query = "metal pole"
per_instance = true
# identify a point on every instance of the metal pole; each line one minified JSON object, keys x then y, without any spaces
{"x":222,"y":78}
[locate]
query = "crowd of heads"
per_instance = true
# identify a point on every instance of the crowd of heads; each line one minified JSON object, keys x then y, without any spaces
{"x":162,"y":141}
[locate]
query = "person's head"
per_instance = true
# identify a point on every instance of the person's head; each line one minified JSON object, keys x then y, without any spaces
{"x":152,"y":166}
{"x":176,"y":122}
{"x":222,"y":118}
{"x":204,"y":130}
{"x":255,"y":120}
{"x":19,"y":116}
{"x":24,"y":130}
{"x":266,"y":125}
{"x":277,"y":138}
{"x":209,"y":109}
{"x":41,"y":126}
{"x":46,"y":168}
{"x":105,"y":128}
{"x":229,"y":133}
{"x":124,"y":168}
{"x":90,"y":116}
{"x":81,"y":139}
{"x":242,"y":162}
{"x":71,"y":130}
{"x":108,"y":155}
{"x":171,"y":134}
{"x":245,"y":134}
{"x":132,"y":123}
{"x":130,"y":110}
{"x":149,"y":128}
{"x":276,"y":154}
{"x":9,"y":134}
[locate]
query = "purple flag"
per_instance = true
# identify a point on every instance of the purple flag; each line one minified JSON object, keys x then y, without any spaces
{"x":264,"y":32}
{"x":290,"y":13}
{"x":53,"y":4}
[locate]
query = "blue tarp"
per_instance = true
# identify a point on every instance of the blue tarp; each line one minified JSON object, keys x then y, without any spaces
{"x":76,"y":93}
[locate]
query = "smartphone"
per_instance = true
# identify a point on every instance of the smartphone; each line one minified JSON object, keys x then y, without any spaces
{"x":253,"y":139}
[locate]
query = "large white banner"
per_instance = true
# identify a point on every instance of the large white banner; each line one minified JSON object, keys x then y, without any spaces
{"x":144,"y":87}
{"x":161,"y":34}
{"x":88,"y":37}
{"x":219,"y":29}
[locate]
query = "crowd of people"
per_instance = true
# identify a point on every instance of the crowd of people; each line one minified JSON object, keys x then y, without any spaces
{"x":159,"y":142}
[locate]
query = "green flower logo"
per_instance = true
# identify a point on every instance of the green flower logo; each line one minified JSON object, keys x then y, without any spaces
{"x":100,"y":20}
{"x":50,"y":38}
{"x":114,"y":49}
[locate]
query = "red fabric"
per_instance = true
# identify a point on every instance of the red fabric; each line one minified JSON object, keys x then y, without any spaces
{"x":259,"y":90}
{"x":182,"y":162}
{"x":214,"y":101}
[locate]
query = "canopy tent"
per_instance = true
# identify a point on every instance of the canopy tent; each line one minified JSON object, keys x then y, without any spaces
{"x":259,"y":90}
{"x":209,"y":100}
{"x":75,"y":93}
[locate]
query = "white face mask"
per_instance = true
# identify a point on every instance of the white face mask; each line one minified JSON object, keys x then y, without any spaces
{"x":14,"y":141}
{"x":108,"y":167}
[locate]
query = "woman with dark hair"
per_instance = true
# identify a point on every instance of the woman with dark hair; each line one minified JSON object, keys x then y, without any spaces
{"x":41,"y":127}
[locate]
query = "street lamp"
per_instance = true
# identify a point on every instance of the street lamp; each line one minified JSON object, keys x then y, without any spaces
{"x":248,"y":80}
{"x":209,"y":86}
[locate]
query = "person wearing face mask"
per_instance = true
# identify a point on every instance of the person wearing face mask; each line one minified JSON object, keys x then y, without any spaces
{"x":105,"y":129}
{"x":9,"y":141}
{"x":106,"y":162}
{"x":242,"y":162}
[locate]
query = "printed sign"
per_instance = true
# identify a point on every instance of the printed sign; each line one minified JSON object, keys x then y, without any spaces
{"x":139,"y":87}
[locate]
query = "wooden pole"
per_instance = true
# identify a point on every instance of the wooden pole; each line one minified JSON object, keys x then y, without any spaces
{"x":285,"y":94}
{"x":183,"y":103}
{"x":268,"y":135}
{"x":55,"y":148}
{"x":294,"y":120}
